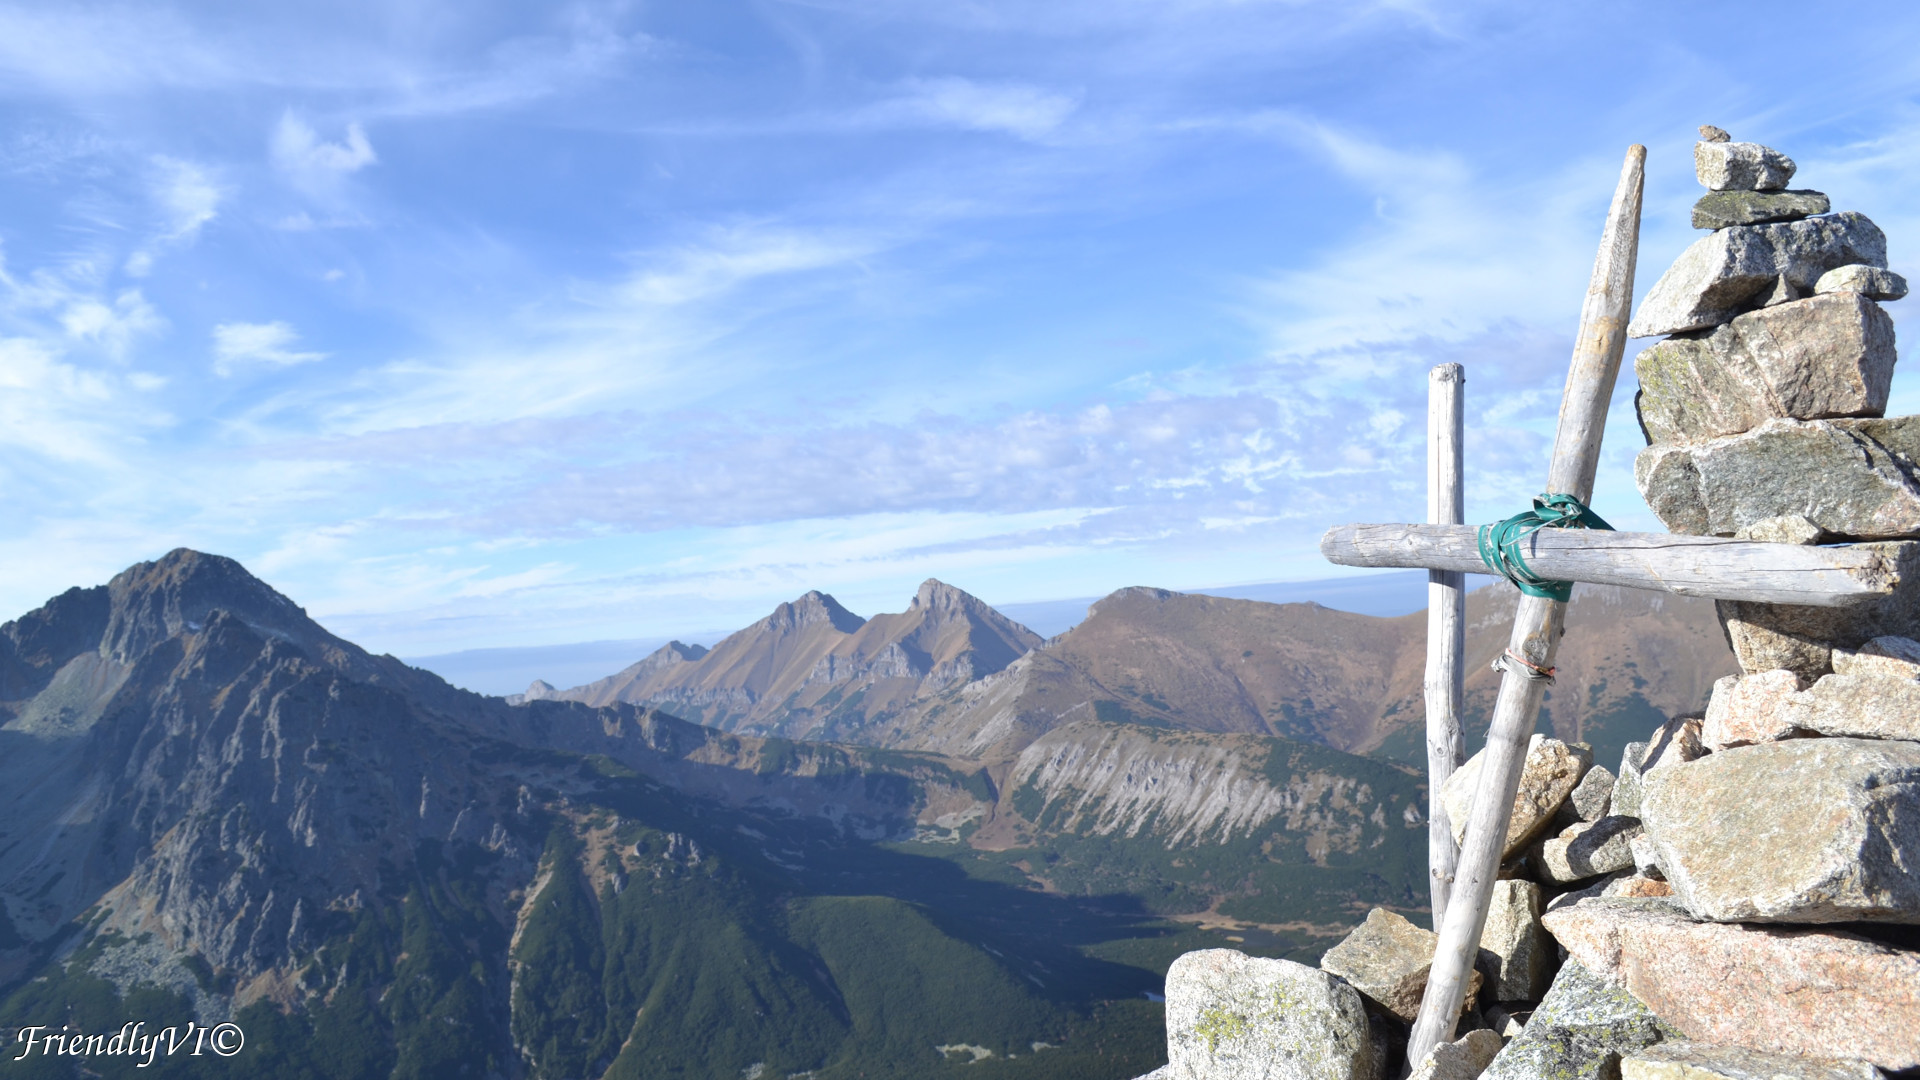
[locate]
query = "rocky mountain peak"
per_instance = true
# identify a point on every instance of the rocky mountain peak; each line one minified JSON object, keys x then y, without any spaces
{"x":937,"y":595}
{"x":152,"y":601}
{"x":813,"y":609}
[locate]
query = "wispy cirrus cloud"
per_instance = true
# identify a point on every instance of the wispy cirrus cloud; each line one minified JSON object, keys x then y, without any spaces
{"x":239,"y":345}
{"x":1022,"y":110}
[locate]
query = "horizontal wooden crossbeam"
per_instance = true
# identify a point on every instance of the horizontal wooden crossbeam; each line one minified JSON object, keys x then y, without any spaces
{"x":1706,"y":566}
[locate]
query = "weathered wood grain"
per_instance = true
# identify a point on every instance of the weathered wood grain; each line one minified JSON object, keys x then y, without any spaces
{"x":1705,"y":566}
{"x":1537,"y":622}
{"x":1446,"y":624}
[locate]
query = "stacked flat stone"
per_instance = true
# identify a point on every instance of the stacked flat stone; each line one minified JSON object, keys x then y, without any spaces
{"x":1764,"y":411}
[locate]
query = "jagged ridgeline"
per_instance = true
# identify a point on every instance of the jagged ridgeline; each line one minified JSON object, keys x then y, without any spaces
{"x":213,"y":809}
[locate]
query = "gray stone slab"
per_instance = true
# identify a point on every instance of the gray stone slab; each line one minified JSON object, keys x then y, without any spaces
{"x":1721,"y":209}
{"x":1828,"y":471}
{"x":1386,"y":958}
{"x":1869,"y":281}
{"x":1733,"y":270}
{"x":1516,"y":955}
{"x":1820,"y":358}
{"x":1801,"y":831}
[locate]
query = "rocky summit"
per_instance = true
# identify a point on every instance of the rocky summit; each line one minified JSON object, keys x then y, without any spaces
{"x":1738,"y":900}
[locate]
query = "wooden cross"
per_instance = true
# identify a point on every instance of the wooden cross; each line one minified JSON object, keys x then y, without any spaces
{"x":1709,"y":567}
{"x":1537,"y":623}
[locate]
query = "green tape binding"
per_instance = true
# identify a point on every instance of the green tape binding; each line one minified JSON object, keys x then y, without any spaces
{"x":1500,"y":544}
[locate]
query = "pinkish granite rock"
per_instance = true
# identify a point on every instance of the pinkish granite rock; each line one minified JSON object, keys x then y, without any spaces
{"x":1858,"y":706}
{"x":1775,"y":989}
{"x":1747,"y":709}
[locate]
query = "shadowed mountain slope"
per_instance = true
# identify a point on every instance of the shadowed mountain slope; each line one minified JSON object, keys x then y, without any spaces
{"x":212,"y":808}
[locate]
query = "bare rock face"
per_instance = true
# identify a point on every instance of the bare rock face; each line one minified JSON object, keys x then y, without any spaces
{"x":1802,"y":831}
{"x":1740,"y":166}
{"x":1747,"y":709}
{"x":1734,"y":269}
{"x":1720,"y":209}
{"x":1775,"y":989}
{"x":1700,"y":1061}
{"x":1581,"y":1029}
{"x":1829,"y":356}
{"x":1590,"y":849}
{"x":1386,"y":958}
{"x":1830,"y":472}
{"x":1516,"y":956}
{"x":1551,"y":771}
{"x":1871,"y":282}
{"x":1463,"y":1059}
{"x":1231,"y":1016}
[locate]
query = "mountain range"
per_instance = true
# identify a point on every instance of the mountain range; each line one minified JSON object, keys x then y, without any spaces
{"x":911,"y":845}
{"x":951,"y":675}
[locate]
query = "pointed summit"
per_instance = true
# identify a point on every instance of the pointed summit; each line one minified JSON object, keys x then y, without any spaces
{"x":152,"y":601}
{"x":813,"y":609}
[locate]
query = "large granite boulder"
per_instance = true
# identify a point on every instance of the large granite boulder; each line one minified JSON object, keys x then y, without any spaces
{"x":1722,"y":165}
{"x":1386,"y":958}
{"x":1720,"y":209}
{"x":1551,"y":771}
{"x":1581,"y":1029}
{"x":1831,"y":472}
{"x":1803,"y":831}
{"x":1787,"y":990}
{"x":1231,"y":1016}
{"x":1828,"y":356}
{"x":1736,"y":269}
{"x":1516,"y":956}
{"x":1682,"y":1060}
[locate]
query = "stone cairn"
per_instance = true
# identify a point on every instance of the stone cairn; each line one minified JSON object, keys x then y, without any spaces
{"x":1741,"y":899}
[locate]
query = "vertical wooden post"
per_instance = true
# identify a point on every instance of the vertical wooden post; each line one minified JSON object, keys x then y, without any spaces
{"x":1446,"y":625}
{"x":1537,"y":624}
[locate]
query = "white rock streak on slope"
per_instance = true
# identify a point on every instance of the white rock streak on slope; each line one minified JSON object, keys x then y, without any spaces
{"x":1189,"y":789}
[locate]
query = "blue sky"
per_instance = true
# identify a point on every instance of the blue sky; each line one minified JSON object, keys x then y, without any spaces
{"x":477,"y":325}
